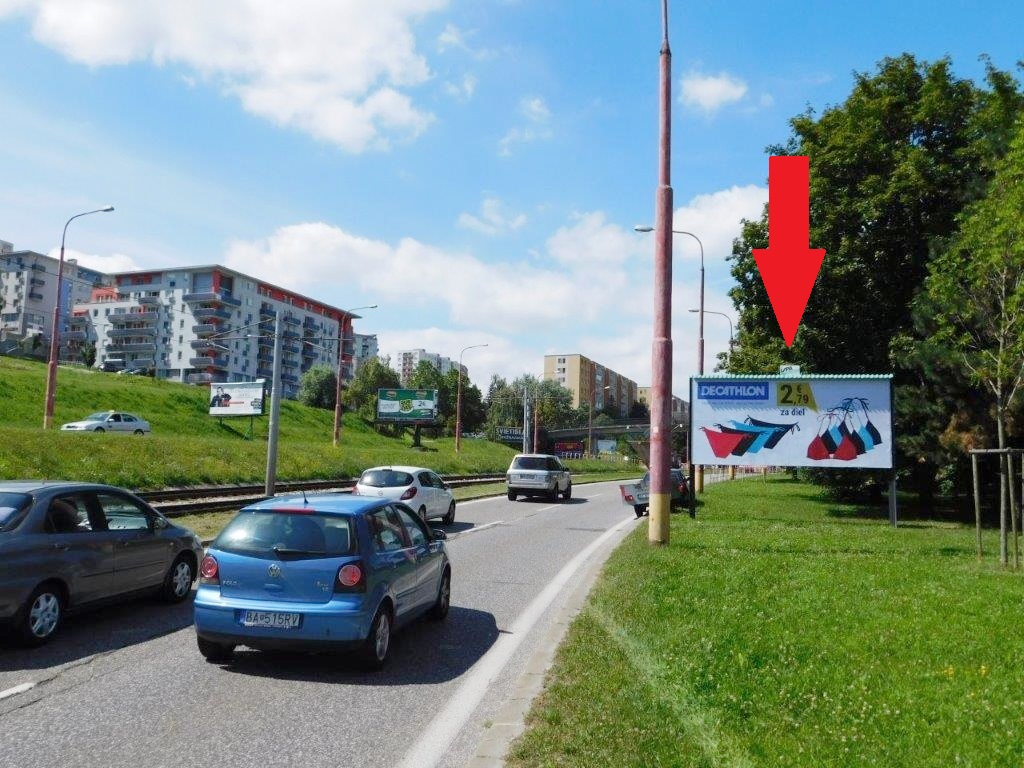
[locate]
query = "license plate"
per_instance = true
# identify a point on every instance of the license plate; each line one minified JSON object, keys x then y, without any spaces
{"x":271,"y":619}
{"x":527,"y":477}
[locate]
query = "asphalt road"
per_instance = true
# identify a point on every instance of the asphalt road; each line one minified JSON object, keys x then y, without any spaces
{"x":125,"y":686}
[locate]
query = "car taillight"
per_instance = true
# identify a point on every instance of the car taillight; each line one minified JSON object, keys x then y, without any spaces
{"x":409,"y":493}
{"x":629,"y":497}
{"x":351,"y":578}
{"x":208,"y":571}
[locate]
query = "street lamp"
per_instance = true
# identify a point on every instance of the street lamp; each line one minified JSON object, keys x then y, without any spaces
{"x":51,"y":369}
{"x":337,"y":388}
{"x":590,"y":420}
{"x":721,"y":314}
{"x":458,"y":399}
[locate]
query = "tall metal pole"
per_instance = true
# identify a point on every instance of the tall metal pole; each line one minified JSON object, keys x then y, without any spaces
{"x":51,"y":367}
{"x":661,"y":348}
{"x":337,"y":387}
{"x":458,"y":400}
{"x":526,"y":420}
{"x":590,"y":426}
{"x":275,"y":410}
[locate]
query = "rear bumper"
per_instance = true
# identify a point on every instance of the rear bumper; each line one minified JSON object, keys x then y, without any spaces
{"x":341,"y":623}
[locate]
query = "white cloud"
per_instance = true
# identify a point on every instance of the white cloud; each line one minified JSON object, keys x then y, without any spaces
{"x":334,"y":70}
{"x":536,"y":112}
{"x":116,"y":262}
{"x":715,"y":219}
{"x":463,"y":91}
{"x":494,"y":218}
{"x":711,"y":92}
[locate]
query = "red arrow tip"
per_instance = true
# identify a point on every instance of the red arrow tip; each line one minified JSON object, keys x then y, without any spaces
{"x":788,"y":278}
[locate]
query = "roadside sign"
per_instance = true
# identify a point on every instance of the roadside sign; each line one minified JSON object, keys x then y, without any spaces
{"x":407,"y":405}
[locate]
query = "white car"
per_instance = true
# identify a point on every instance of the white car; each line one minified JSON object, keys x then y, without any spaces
{"x":109,"y":421}
{"x":420,"y":488}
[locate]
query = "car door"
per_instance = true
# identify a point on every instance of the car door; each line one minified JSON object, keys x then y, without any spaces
{"x":393,"y":558}
{"x":141,"y":556}
{"x":444,"y":494}
{"x":114,"y":423}
{"x":429,"y":493}
{"x":428,"y":558}
{"x":129,"y":423}
{"x":76,"y":548}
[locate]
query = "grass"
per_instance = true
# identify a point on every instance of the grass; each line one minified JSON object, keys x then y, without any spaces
{"x":189,"y":447}
{"x":783,"y":629}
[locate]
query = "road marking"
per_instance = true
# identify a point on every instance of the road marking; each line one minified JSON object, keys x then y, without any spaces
{"x":446,"y":725}
{"x":474,"y":529}
{"x":17,"y":689}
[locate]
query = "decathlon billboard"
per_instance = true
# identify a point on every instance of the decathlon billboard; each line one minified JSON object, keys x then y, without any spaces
{"x":840,"y":422}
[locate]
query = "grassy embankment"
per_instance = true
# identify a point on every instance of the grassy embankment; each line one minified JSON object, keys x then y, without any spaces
{"x":189,"y":447}
{"x":783,"y":629}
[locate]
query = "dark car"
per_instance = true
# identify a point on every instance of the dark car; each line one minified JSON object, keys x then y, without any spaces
{"x":65,"y":546}
{"x":335,"y":572}
{"x":680,"y":500}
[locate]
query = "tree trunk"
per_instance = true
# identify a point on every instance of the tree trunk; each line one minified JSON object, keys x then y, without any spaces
{"x":1003,"y":480}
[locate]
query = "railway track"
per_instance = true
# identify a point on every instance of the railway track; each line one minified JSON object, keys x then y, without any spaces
{"x":174,"y":502}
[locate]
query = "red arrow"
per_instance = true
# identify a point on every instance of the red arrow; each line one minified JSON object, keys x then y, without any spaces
{"x":788,"y":266}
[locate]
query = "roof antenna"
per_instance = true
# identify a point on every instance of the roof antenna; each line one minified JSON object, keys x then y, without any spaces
{"x":304,"y":499}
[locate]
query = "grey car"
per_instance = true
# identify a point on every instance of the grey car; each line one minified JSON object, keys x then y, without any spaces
{"x":64,"y":546}
{"x":538,"y":474}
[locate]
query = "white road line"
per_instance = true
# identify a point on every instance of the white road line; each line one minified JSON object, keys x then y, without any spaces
{"x":474,"y":529}
{"x":17,"y":689}
{"x":446,"y":725}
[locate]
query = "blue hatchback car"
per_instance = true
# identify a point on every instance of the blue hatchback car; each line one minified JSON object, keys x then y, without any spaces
{"x":328,"y":573}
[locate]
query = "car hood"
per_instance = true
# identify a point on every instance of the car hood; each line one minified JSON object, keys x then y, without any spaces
{"x":82,"y":423}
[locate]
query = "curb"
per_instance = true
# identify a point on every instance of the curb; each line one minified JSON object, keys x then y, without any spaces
{"x":509,"y":722}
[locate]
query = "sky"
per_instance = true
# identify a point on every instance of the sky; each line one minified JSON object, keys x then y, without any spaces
{"x":473,"y":167}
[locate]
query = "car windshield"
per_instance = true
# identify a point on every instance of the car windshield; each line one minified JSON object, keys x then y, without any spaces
{"x":101,"y":416}
{"x":13,"y":507}
{"x":284,"y":534}
{"x":529,"y":462}
{"x":385,"y":478}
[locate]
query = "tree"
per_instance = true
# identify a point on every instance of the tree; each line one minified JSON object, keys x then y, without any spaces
{"x":89,"y":353}
{"x":361,"y":394}
{"x":639,"y":410}
{"x":318,"y":386}
{"x":973,"y":306}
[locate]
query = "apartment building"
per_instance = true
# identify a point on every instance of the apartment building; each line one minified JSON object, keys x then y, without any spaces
{"x":210,"y":324}
{"x":409,"y":359}
{"x":591,"y":382}
{"x":680,"y":408}
{"x":28,"y":292}
{"x":365,"y":348}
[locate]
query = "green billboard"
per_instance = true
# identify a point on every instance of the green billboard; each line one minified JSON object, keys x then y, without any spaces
{"x":408,"y":405}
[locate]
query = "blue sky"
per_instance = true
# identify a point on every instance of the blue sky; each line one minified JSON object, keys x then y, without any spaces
{"x":475,"y":168}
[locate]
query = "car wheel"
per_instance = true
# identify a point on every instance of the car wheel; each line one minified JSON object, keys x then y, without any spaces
{"x":99,"y":429}
{"x":41,"y":615}
{"x":139,"y":432}
{"x":639,"y":511}
{"x":215,"y":653}
{"x":553,"y":493}
{"x":444,"y":596}
{"x":512,"y":495}
{"x":374,"y":653}
{"x":450,"y":517}
{"x":178,"y":581}
{"x":568,"y":492}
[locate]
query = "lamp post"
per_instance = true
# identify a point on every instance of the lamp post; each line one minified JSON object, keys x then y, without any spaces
{"x":720,"y":314}
{"x":51,"y":368}
{"x":590,"y":420}
{"x":458,"y":399}
{"x":337,"y":384}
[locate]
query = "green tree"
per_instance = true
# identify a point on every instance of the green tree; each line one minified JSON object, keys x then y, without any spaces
{"x":318,"y":386}
{"x":361,"y":393}
{"x":89,"y":353}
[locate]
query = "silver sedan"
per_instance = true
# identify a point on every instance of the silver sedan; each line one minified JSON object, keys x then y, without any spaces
{"x":109,"y":421}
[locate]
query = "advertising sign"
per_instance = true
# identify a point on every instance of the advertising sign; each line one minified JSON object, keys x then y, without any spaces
{"x":237,"y":398}
{"x":513,"y":435}
{"x":569,"y":449}
{"x":842,"y":422}
{"x":409,"y":405}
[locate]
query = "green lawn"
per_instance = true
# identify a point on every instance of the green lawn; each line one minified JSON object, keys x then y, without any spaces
{"x":782,"y":629}
{"x":190,"y":447}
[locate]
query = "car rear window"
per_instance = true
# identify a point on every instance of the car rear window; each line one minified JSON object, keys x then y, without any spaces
{"x":13,"y":507}
{"x":530,"y":462}
{"x":385,"y":478}
{"x":281,"y":534}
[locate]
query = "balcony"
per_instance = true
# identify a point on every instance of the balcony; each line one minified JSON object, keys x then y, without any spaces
{"x":38,"y":268}
{"x":290,"y":349}
{"x":73,"y":336}
{"x":204,"y":378}
{"x":205,"y":328}
{"x":310,"y":323}
{"x":37,"y":281}
{"x":36,"y":296}
{"x":205,"y":313}
{"x":209,"y":362}
{"x":289,"y":378}
{"x":133,"y":346}
{"x":264,"y":371}
{"x":127,"y":333}
{"x":268,"y":312}
{"x":348,"y":348}
{"x":149,"y":301}
{"x":141,"y":362}
{"x":200,"y":344}
{"x":266,"y":327}
{"x":132,"y":317}
{"x":289,"y":334}
{"x":211,"y":297}
{"x":309,"y":353}
{"x":292,"y":320}
{"x":78,"y":320}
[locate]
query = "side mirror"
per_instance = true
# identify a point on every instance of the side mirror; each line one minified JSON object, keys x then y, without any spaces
{"x":160,"y":523}
{"x":438,"y":534}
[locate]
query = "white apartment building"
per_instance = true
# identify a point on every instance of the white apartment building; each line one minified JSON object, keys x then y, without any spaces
{"x":409,"y":359}
{"x":28,"y":292}
{"x":365,"y":348}
{"x":210,"y":324}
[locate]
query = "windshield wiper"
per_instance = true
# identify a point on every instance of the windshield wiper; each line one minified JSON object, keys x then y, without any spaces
{"x":289,"y":551}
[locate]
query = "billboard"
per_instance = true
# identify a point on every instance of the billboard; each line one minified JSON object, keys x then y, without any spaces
{"x":839,"y":422}
{"x":513,"y":435}
{"x":237,"y":398}
{"x":409,"y":405}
